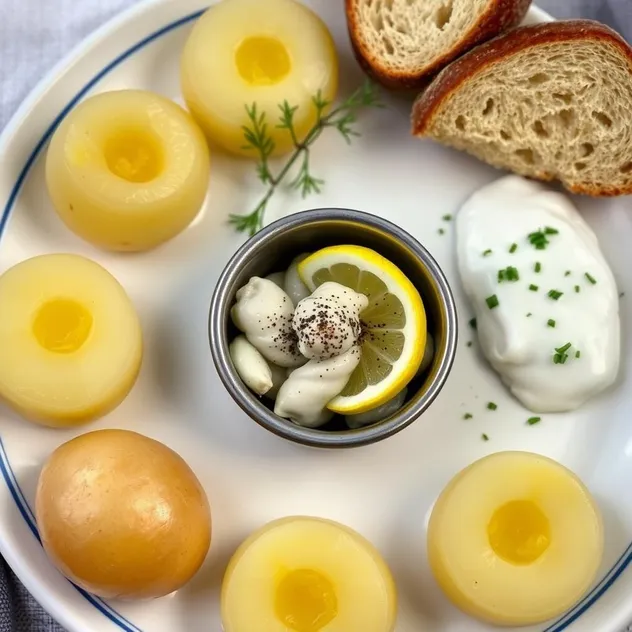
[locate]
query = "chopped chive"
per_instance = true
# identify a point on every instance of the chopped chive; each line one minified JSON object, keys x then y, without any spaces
{"x":492,"y":301}
{"x":484,"y":437}
{"x":447,"y":218}
{"x":537,"y":267}
{"x":590,"y":278}
{"x":441,"y":231}
{"x":469,"y":343}
{"x":551,"y":231}
{"x":534,"y":288}
{"x":468,"y":416}
{"x":578,"y":354}
{"x":577,"y":289}
{"x":534,"y":420}
{"x":492,"y":406}
{"x":473,"y":323}
{"x":508,"y":274}
{"x":529,"y":315}
{"x":567,"y":273}
{"x":513,"y":248}
{"x":555,"y":294}
{"x":550,"y":322}
{"x":538,"y":240}
{"x":487,"y":252}
{"x":560,"y":355}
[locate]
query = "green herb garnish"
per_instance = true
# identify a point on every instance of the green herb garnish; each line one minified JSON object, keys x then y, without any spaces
{"x":513,"y":248}
{"x":537,"y":267}
{"x":538,"y":240}
{"x":258,"y":140}
{"x":590,"y":278}
{"x":567,"y":273}
{"x":577,"y":289}
{"x":467,"y":416}
{"x":469,"y":343}
{"x":508,"y":274}
{"x":441,"y":231}
{"x":550,"y":322}
{"x":578,"y":354}
{"x":551,"y":231}
{"x":529,"y":315}
{"x":484,"y":437}
{"x":492,"y":301}
{"x":473,"y":323}
{"x":447,"y":218}
{"x":555,"y":294}
{"x":534,"y":420}
{"x":487,"y":252}
{"x":560,"y":355}
{"x":492,"y":406}
{"x":534,"y":288}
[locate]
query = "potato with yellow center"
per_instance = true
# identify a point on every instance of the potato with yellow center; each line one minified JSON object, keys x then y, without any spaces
{"x":515,"y":539}
{"x":122,"y":515}
{"x":245,"y":52}
{"x":70,"y":338}
{"x":304,"y":574}
{"x":127,"y":170}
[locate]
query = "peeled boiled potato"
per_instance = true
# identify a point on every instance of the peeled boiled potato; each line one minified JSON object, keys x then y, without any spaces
{"x":307,"y":574}
{"x":127,"y":170}
{"x":245,"y":52}
{"x":515,"y":539}
{"x":122,"y":515}
{"x":70,"y":340}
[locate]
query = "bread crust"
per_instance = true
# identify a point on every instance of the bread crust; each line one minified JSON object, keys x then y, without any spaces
{"x":495,"y":51}
{"x":500,"y":16}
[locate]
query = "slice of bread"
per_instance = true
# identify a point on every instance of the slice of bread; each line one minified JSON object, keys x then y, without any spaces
{"x":550,"y":101}
{"x":404,"y":43}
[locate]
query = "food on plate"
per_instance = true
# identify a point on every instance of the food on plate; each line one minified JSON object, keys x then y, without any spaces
{"x":278,"y":278}
{"x":515,"y":539}
{"x":393,"y":325}
{"x":251,"y":366}
{"x":248,"y":53}
{"x":403,"y":44}
{"x":122,"y":515}
{"x":127,"y":170}
{"x":375,"y":415}
{"x":307,"y":574}
{"x":305,"y":395}
{"x":263,"y":311}
{"x":327,"y":322}
{"x":293,"y":284}
{"x":70,"y":338}
{"x":549,"y":101}
{"x":545,"y":299}
{"x":349,"y":317}
{"x":259,"y":143}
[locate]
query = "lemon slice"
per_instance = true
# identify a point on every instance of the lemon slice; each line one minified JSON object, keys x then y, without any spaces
{"x":393,"y":324}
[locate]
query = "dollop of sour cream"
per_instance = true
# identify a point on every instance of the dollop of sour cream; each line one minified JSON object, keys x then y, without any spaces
{"x":544,"y":297}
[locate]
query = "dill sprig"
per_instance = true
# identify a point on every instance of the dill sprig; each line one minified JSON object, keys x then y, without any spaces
{"x":258,"y":139}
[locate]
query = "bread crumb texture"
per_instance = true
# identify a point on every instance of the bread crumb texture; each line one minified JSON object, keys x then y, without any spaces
{"x":556,"y":111}
{"x":409,"y":39}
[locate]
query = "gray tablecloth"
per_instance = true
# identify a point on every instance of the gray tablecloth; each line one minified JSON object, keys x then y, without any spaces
{"x":34,"y":34}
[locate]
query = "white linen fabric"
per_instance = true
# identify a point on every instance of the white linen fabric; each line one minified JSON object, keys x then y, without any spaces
{"x":34,"y":35}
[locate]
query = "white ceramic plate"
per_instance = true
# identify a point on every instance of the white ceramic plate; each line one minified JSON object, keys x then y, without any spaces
{"x":384,"y":491}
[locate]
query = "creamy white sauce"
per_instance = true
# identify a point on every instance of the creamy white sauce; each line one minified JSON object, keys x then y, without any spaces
{"x":303,"y":397}
{"x":263,"y":311}
{"x":292,"y":284}
{"x":327,"y":322}
{"x":516,"y":336}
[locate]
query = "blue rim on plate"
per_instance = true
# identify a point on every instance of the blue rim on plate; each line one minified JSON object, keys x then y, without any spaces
{"x":5,"y":467}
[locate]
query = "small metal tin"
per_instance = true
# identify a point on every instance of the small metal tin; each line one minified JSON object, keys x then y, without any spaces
{"x":272,"y":249}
